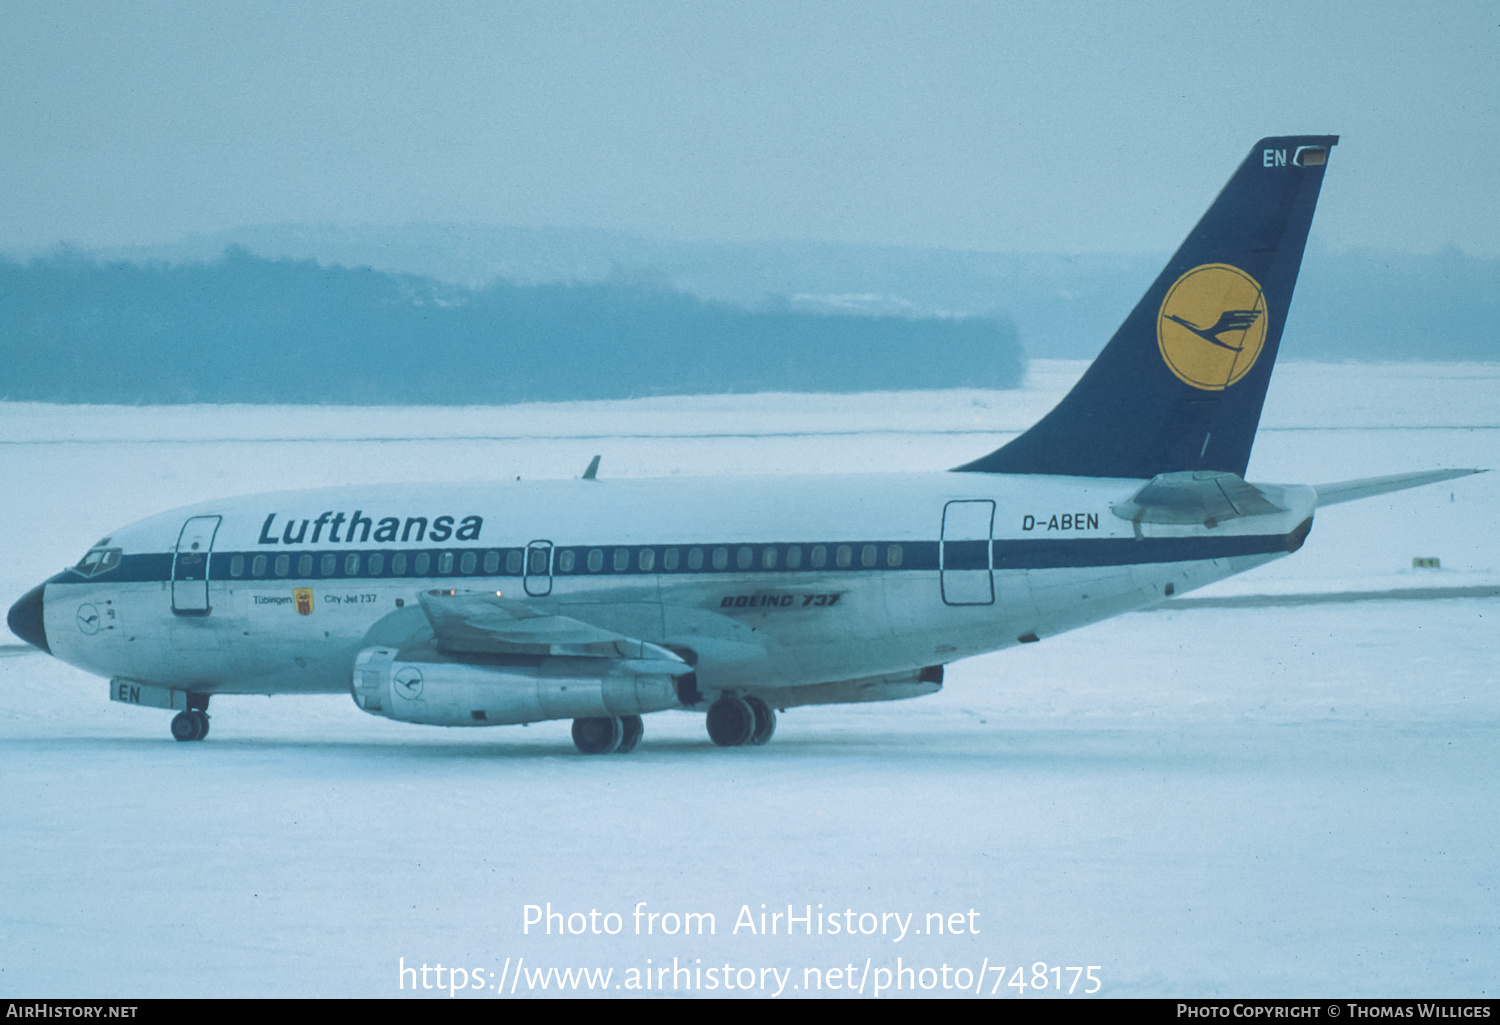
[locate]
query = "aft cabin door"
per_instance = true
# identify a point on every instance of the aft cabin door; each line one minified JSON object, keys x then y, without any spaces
{"x":190,"y":566}
{"x":965,"y":553}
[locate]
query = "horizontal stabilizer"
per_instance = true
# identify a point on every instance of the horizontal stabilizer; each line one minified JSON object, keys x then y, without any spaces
{"x":1369,"y":487}
{"x":1195,"y":496}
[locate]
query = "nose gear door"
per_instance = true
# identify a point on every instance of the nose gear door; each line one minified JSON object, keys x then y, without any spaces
{"x":190,"y":566}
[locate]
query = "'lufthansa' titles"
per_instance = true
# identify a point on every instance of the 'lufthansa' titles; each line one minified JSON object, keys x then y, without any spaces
{"x":361,"y":529}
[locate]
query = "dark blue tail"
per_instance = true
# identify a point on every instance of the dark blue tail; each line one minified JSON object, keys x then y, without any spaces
{"x":1181,"y":384}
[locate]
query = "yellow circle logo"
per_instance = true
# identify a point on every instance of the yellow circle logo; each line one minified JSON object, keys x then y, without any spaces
{"x":1211,"y":326}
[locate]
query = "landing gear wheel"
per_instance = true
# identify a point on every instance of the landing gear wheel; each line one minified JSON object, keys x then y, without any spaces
{"x":599,"y":735}
{"x":633,"y":729}
{"x":192,"y":725}
{"x":730,"y":721}
{"x":765,"y":721}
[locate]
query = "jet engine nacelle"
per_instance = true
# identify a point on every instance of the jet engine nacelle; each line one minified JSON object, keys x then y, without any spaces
{"x":502,"y":691}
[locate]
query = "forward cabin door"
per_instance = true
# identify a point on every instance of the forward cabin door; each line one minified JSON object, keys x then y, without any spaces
{"x":965,"y":553}
{"x":190,"y":566}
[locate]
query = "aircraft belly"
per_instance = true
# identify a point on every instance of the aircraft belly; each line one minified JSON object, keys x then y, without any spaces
{"x":934,"y":632}
{"x":880,"y":623}
{"x":1069,"y":597}
{"x":780,"y":630}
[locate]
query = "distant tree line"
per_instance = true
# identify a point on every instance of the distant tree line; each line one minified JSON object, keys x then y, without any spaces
{"x":1363,"y":305}
{"x":248,"y":329}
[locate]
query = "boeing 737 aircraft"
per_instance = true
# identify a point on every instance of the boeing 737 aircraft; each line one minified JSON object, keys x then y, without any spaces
{"x":600,"y":600}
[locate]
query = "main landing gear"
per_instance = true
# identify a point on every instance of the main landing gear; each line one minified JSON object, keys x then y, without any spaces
{"x":734,"y":721}
{"x":606,"y":734}
{"x":190,"y":725}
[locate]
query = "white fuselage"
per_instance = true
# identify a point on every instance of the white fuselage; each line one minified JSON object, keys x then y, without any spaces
{"x":766,"y":582}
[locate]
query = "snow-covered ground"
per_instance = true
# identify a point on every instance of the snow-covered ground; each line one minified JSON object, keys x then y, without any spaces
{"x":1276,"y":800}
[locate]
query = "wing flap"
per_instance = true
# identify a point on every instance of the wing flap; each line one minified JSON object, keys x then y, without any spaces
{"x":486,"y":621}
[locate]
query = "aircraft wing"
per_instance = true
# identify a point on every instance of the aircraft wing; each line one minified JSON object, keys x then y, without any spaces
{"x":486,"y":621}
{"x":1368,"y":487}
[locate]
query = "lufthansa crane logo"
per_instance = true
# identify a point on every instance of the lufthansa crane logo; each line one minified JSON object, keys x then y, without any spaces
{"x":88,"y":619}
{"x":408,"y":681}
{"x":1212,"y":325}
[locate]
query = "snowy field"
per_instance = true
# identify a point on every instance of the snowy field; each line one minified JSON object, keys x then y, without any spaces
{"x":1270,"y":796}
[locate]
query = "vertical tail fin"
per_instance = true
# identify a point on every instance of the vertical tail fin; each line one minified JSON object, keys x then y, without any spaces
{"x":1181,"y":384}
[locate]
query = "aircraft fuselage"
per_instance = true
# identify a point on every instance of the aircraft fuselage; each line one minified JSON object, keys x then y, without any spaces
{"x":765,"y":582}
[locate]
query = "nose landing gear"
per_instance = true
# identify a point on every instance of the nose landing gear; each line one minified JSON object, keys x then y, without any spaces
{"x":190,"y":725}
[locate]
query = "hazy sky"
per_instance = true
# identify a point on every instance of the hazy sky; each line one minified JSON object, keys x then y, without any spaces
{"x":1050,"y":126}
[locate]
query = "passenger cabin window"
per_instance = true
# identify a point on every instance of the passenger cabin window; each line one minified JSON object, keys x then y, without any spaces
{"x":868,"y":556}
{"x":893,"y":556}
{"x":695,"y":558}
{"x":844,"y":556}
{"x":468,"y":563}
{"x":258,"y":566}
{"x":669,"y":559}
{"x":721,"y":558}
{"x":283,"y":565}
{"x":819,"y":557}
{"x":596,"y":560}
{"x":304,"y":565}
{"x":377,"y":563}
{"x":421,"y":563}
{"x":793,"y":556}
{"x":326,"y":564}
{"x":539,"y":561}
{"x":566,"y":560}
{"x":445,"y":562}
{"x":237,"y":566}
{"x":398,"y":564}
{"x":647,"y":560}
{"x":622,"y":560}
{"x":351,"y":564}
{"x":513,"y":561}
{"x":744,"y":558}
{"x":768,"y":557}
{"x":491,"y":563}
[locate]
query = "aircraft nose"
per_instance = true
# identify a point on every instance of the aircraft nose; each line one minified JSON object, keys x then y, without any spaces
{"x":25,"y":619}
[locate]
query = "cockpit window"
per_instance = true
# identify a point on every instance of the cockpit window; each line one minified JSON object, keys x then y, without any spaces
{"x":98,"y":561}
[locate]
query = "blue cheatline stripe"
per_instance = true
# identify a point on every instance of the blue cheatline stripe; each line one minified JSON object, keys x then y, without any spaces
{"x":837,"y":556}
{"x":1126,"y":551}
